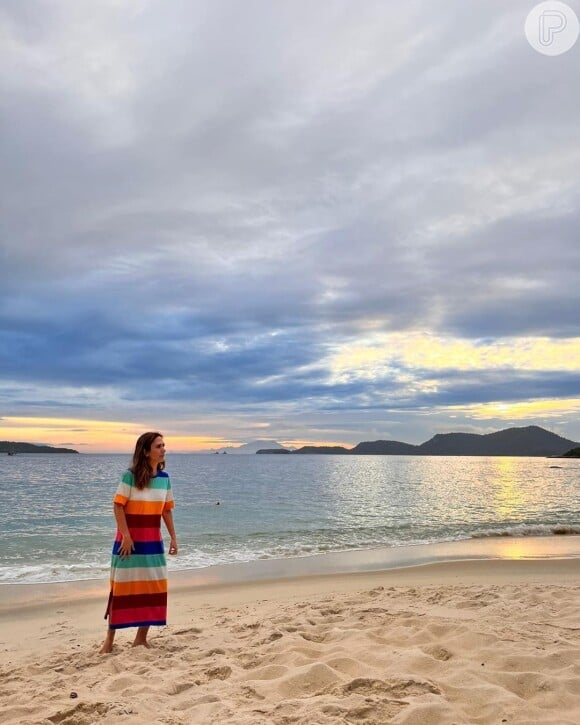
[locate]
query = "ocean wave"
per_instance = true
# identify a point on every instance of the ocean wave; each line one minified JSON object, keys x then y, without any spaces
{"x":51,"y":572}
{"x":529,"y":530}
{"x":236,"y":550}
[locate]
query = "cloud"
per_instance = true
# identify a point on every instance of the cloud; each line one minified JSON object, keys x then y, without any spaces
{"x":211,"y":203}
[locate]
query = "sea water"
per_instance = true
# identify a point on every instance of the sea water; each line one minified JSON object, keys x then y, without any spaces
{"x":57,"y":519}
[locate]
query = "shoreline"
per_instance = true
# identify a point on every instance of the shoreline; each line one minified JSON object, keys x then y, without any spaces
{"x":31,"y":620}
{"x":338,"y":563}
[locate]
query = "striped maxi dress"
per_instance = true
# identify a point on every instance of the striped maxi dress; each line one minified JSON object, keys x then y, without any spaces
{"x":138,"y":596}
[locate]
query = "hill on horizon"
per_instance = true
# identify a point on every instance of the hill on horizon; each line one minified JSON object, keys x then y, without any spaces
{"x":252,"y":447}
{"x":574,"y":453}
{"x":19,"y":447}
{"x":529,"y":440}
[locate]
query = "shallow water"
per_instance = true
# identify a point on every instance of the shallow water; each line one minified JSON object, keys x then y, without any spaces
{"x":58,"y":523}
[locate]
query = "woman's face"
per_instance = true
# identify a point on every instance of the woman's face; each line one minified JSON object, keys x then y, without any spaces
{"x":157,"y":453}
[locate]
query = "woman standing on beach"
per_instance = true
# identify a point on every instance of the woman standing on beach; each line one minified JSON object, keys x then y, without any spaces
{"x":138,"y":595}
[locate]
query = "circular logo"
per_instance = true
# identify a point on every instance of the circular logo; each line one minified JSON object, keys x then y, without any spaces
{"x":552,"y":28}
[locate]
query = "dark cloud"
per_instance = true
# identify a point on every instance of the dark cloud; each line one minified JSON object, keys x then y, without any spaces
{"x":485,"y":386}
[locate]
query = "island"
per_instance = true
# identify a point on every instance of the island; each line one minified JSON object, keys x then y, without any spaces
{"x":574,"y":453}
{"x":13,"y":447}
{"x":529,"y":440}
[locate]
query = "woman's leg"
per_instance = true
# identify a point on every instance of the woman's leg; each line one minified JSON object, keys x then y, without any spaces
{"x":108,"y":643}
{"x":141,"y":637}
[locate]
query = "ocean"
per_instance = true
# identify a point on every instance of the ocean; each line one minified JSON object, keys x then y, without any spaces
{"x":58,"y":525}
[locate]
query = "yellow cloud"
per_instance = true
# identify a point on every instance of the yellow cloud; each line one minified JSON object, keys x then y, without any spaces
{"x":86,"y":435}
{"x":521,"y":410}
{"x":90,"y":436}
{"x":381,"y":354}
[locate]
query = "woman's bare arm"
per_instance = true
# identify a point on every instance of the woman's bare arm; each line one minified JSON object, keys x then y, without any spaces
{"x":168,"y":519}
{"x":127,"y":545}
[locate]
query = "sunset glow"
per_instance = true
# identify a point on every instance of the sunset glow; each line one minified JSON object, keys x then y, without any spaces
{"x":94,"y":436}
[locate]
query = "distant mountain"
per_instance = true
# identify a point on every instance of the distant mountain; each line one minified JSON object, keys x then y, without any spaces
{"x":13,"y":447}
{"x":322,"y":449}
{"x":455,"y":444}
{"x":574,"y":453}
{"x":529,"y":441}
{"x":252,"y":447}
{"x":384,"y":448}
{"x":274,"y":450}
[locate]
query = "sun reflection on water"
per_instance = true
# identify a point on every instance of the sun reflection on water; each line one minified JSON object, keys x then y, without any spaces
{"x":508,"y":493}
{"x":525,"y":548}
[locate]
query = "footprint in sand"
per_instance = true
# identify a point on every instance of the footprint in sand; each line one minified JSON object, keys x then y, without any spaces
{"x":375,"y":592}
{"x":82,"y":714}
{"x":251,"y":694}
{"x":190,"y":630}
{"x":124,"y":682}
{"x":252,"y":626}
{"x":381,"y":711}
{"x":437,"y":652}
{"x":219,"y":673}
{"x":309,"y":681}
{"x":328,"y":611}
{"x":269,"y":672}
{"x":215,"y":651}
{"x":394,"y":688}
{"x":249,"y":662}
{"x":372,"y":614}
{"x":177,"y":688}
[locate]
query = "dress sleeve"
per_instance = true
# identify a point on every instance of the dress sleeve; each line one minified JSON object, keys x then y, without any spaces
{"x":169,"y":501}
{"x":124,"y":490}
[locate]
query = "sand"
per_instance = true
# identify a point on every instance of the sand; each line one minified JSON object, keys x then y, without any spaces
{"x":483,"y":641}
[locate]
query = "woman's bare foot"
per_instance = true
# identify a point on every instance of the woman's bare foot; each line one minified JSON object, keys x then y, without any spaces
{"x":141,"y":638}
{"x":139,"y":643}
{"x":107,"y":647}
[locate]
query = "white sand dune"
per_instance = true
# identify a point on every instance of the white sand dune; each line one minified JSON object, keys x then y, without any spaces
{"x":447,"y":644}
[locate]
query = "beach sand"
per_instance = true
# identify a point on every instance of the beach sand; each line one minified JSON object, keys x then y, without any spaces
{"x":449,"y":643}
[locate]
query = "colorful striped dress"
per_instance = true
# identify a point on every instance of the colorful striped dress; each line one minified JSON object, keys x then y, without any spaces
{"x":138,"y":595}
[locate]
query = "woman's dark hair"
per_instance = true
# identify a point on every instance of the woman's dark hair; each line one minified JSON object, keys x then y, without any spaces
{"x":140,"y":468}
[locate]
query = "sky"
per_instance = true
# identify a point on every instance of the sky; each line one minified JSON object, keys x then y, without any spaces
{"x":315,"y":223}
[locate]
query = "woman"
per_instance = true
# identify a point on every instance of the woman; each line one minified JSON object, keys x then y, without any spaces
{"x":138,"y":595}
